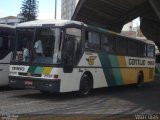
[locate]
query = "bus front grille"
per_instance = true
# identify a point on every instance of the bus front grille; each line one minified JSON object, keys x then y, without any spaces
{"x":29,"y":75}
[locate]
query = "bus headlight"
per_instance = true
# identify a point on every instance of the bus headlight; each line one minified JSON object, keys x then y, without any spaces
{"x":12,"y":81}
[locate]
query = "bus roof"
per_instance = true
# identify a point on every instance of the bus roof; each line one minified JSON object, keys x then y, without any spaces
{"x":39,"y":23}
{"x":6,"y":26}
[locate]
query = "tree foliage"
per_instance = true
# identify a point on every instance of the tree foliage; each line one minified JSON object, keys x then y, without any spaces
{"x":29,"y":10}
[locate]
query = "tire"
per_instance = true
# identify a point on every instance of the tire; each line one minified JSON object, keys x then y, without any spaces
{"x":140,"y":80}
{"x":85,"y":85}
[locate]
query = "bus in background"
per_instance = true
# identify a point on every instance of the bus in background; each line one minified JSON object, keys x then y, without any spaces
{"x":7,"y":34}
{"x":64,"y":56}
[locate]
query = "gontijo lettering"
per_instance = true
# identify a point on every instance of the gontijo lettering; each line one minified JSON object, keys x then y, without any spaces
{"x":137,"y":62}
{"x":140,"y":62}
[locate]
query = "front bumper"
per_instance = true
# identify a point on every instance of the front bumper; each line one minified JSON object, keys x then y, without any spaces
{"x":39,"y":84}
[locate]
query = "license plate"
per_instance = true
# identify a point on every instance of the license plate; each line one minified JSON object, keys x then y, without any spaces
{"x":28,"y":83}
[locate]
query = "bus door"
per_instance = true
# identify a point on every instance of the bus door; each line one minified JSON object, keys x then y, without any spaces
{"x":68,"y":58}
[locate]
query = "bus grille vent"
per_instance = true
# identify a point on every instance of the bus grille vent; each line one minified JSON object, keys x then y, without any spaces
{"x":33,"y":75}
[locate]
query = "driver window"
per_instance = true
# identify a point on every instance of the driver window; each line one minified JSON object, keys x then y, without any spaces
{"x":69,"y":50}
{"x":75,"y":35}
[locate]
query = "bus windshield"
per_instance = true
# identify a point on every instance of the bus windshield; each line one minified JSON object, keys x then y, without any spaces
{"x":38,"y":45}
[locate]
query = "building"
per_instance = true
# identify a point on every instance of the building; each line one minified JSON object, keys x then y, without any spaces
{"x":130,"y":31}
{"x":128,"y":27}
{"x":138,"y":32}
{"x":10,"y":20}
{"x":68,"y":8}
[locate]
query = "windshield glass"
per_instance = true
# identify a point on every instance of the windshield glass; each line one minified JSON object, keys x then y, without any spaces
{"x":38,"y":45}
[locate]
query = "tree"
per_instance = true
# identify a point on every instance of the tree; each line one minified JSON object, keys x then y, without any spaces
{"x":29,"y":10}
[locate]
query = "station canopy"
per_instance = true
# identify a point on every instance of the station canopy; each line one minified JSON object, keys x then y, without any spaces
{"x":110,"y":14}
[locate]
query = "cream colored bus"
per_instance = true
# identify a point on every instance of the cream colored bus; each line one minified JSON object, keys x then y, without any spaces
{"x":65,"y":56}
{"x":7,"y":34}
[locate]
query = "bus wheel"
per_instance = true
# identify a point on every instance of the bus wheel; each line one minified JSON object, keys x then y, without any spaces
{"x":140,"y":79}
{"x":85,"y":85}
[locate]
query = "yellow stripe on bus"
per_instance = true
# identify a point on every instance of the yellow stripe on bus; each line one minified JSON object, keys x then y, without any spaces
{"x":122,"y":61}
{"x":130,"y":75}
{"x":47,"y":70}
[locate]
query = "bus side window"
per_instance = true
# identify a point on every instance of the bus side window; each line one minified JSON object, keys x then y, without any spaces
{"x":4,"y":43}
{"x":92,"y":41}
{"x":132,"y":48}
{"x":108,"y":43}
{"x":142,"y":50}
{"x":122,"y":46}
{"x":5,"y":46}
{"x":150,"y":51}
{"x":1,"y":42}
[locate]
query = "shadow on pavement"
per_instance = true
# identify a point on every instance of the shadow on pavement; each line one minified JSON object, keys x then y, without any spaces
{"x":147,"y":97}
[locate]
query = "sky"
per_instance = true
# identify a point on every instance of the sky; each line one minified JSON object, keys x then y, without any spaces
{"x":46,"y":8}
{"x":136,"y":22}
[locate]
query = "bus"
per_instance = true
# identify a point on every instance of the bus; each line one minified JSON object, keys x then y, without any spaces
{"x":7,"y":34}
{"x":65,"y":56}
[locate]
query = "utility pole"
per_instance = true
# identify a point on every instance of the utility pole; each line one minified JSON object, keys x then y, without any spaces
{"x":55,"y":9}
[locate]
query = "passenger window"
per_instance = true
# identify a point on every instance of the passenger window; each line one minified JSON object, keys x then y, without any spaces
{"x":5,"y":43}
{"x":5,"y":46}
{"x":132,"y":48}
{"x":92,"y":41}
{"x":142,"y":50}
{"x":108,"y":43}
{"x":150,"y":51}
{"x":122,"y":46}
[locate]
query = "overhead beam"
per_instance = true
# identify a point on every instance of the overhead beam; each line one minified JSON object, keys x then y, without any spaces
{"x":113,"y":14}
{"x":134,"y":13}
{"x":156,"y":6}
{"x":79,"y":5}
